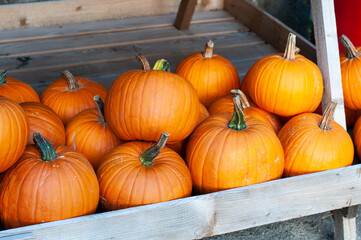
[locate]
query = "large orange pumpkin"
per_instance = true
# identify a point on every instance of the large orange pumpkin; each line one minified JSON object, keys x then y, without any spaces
{"x":225,"y":104}
{"x":47,"y":184}
{"x":70,"y":95}
{"x":141,"y":104}
{"x":138,"y":173}
{"x":16,"y":90}
{"x":228,"y":151}
{"x":287,"y":84}
{"x":351,"y":74}
{"x":314,"y":143}
{"x":14,"y":131}
{"x":88,"y":133}
{"x":45,"y":121}
{"x":212,"y":75}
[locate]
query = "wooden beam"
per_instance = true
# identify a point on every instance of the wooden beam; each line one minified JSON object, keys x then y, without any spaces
{"x":185,"y":13}
{"x":345,"y":223}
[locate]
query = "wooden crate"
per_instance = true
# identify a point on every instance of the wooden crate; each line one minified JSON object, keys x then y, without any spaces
{"x":105,"y":48}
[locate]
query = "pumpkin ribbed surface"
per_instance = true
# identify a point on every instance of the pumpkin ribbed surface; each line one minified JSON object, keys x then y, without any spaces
{"x":18,"y":91}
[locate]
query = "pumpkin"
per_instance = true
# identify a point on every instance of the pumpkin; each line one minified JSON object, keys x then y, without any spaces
{"x":314,"y":143}
{"x":356,"y":134}
{"x":287,"y":84}
{"x":45,"y":121}
{"x":141,"y":104}
{"x":46,"y":184}
{"x":212,"y":75}
{"x":350,"y":74}
{"x":228,"y":151}
{"x":70,"y":95}
{"x":16,"y":90}
{"x":88,"y":133}
{"x":225,"y":104}
{"x":350,"y":114}
{"x":14,"y":131}
{"x":138,"y":173}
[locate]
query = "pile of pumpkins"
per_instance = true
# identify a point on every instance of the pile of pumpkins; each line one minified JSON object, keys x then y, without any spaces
{"x":156,"y":136}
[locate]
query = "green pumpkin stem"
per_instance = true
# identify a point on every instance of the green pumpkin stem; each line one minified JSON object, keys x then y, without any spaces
{"x":350,"y":48}
{"x":238,"y":121}
{"x":208,"y":49}
{"x":72,"y":84}
{"x":100,"y":107}
{"x":162,"y":65}
{"x":244,"y":101}
{"x":290,"y":51}
{"x":327,"y":117}
{"x":3,"y":76}
{"x":151,"y":153}
{"x":47,"y":150}
{"x":143,"y":61}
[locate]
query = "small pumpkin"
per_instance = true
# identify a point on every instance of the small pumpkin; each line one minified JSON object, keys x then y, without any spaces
{"x":212,"y":76}
{"x":287,"y":84}
{"x":88,"y":133}
{"x":138,"y":173}
{"x":314,"y":143}
{"x":14,"y":131}
{"x":16,"y":90}
{"x":45,"y":121}
{"x":70,"y":95}
{"x":228,"y":151}
{"x":46,"y":184}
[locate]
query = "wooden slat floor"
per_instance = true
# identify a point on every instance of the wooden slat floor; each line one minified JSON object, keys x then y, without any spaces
{"x":104,"y":50}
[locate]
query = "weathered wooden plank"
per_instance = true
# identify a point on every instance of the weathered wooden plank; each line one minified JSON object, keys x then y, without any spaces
{"x":267,"y":26}
{"x":70,"y":11}
{"x":216,"y":213}
{"x":185,"y":14}
{"x":345,"y":223}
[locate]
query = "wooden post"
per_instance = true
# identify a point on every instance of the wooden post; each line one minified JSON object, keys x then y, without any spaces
{"x":185,"y":13}
{"x":345,"y":223}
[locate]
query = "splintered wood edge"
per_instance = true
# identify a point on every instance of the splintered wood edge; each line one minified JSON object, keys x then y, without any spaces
{"x":217,"y":213}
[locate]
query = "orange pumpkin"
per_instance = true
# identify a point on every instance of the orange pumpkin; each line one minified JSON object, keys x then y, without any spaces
{"x":16,"y":90}
{"x":70,"y":95}
{"x":88,"y":133}
{"x":225,"y":104}
{"x":314,"y":143}
{"x":228,"y":151}
{"x":350,"y":74}
{"x":287,"y":84}
{"x":357,"y":136}
{"x":141,"y":104}
{"x":14,"y":131}
{"x":138,"y":173}
{"x":45,"y":121}
{"x":47,"y":184}
{"x":212,"y":75}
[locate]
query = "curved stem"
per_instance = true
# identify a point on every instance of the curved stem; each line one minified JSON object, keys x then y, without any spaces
{"x":144,"y":62}
{"x":100,"y":107}
{"x":72,"y":84}
{"x":350,"y":48}
{"x":238,"y":121}
{"x":47,"y":150}
{"x":208,"y":49}
{"x":244,"y":101}
{"x":290,"y":51}
{"x":148,"y":156}
{"x":327,"y":117}
{"x":3,"y":76}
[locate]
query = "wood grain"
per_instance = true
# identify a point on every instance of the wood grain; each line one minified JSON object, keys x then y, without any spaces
{"x":185,"y":14}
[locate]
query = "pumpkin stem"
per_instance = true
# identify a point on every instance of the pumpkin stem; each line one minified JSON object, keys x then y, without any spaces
{"x":3,"y":76}
{"x":100,"y":107}
{"x":208,"y":49}
{"x":297,"y":51}
{"x":162,"y":65}
{"x":72,"y":84}
{"x":327,"y":117}
{"x":47,"y":150}
{"x":238,"y":121}
{"x":148,"y":156}
{"x":244,"y":101}
{"x":350,"y":48}
{"x":144,"y":62}
{"x":290,"y":51}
